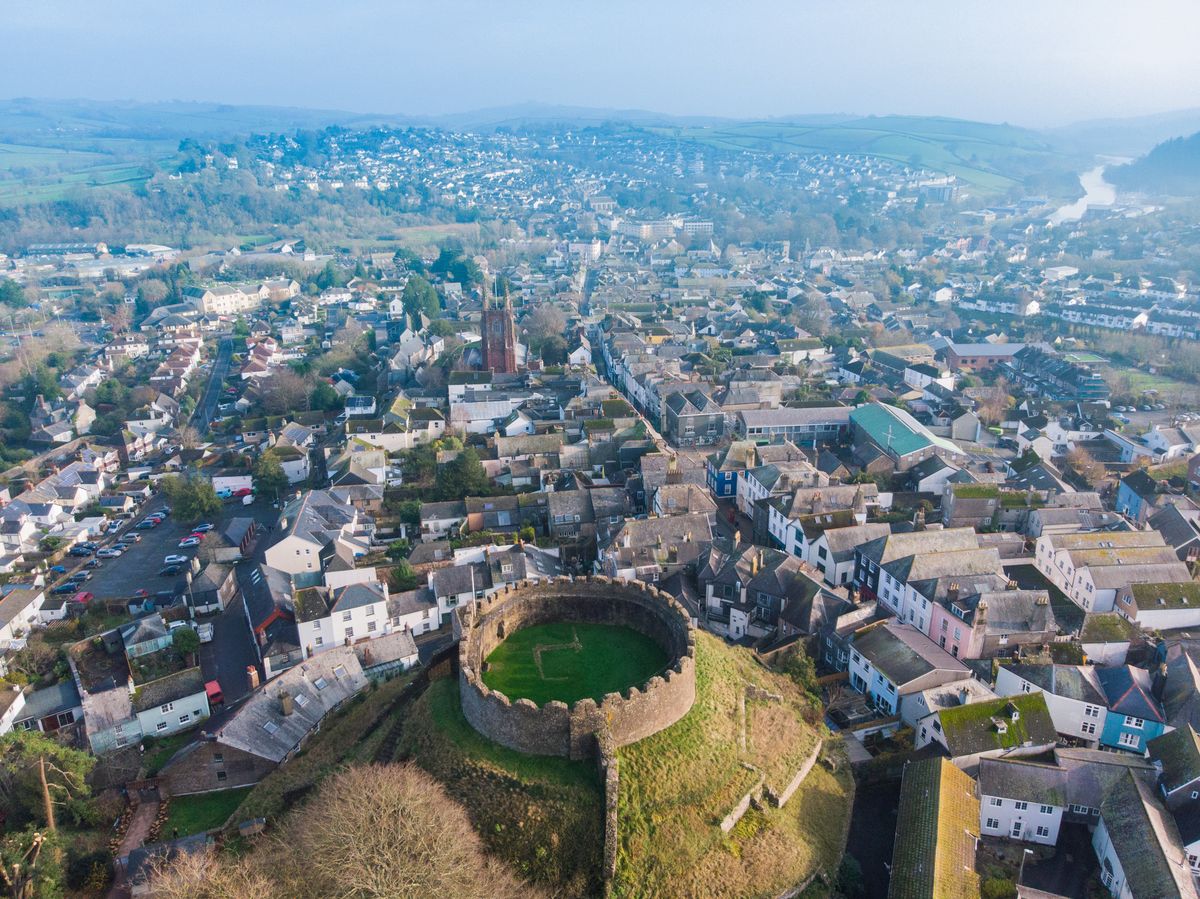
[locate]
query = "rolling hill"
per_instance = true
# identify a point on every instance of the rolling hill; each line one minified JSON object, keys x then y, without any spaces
{"x":1172,"y":168}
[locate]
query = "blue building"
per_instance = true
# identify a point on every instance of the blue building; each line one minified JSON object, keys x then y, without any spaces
{"x":724,"y":466}
{"x":1135,"y":712}
{"x":1135,"y":496}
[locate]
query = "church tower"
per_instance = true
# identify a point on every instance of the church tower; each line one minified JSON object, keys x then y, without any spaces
{"x":499,"y":335}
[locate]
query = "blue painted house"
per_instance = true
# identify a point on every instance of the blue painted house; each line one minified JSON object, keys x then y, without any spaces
{"x":1135,"y":496}
{"x":1135,"y":712}
{"x":724,"y":466}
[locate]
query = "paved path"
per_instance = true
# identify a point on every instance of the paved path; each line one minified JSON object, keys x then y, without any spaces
{"x":139,"y":827}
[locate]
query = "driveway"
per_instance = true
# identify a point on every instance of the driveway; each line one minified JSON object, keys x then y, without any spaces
{"x":231,"y":651}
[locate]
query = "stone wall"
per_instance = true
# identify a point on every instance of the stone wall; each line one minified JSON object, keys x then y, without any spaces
{"x":555,"y":729}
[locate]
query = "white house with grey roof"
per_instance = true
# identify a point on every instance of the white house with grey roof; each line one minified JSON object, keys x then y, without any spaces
{"x":308,"y":524}
{"x":1021,"y":800}
{"x":1076,"y":700}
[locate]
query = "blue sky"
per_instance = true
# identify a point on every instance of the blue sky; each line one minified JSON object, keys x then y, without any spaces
{"x":1036,"y":63}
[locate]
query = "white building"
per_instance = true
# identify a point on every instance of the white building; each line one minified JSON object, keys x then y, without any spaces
{"x":1021,"y":800}
{"x":1073,"y":694}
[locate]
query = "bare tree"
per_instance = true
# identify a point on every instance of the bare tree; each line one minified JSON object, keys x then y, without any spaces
{"x":284,"y":391}
{"x":380,"y":832}
{"x":1085,"y":465}
{"x":544,"y":322}
{"x":187,"y":437}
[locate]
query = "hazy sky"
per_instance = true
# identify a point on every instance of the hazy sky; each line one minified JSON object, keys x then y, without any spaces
{"x":1035,"y":62}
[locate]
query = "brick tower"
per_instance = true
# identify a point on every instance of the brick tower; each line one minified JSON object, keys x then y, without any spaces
{"x":499,"y":336}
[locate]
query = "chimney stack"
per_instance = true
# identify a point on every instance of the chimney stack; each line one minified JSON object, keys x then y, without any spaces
{"x":952,"y":591}
{"x":754,"y":564}
{"x":252,"y":676}
{"x":287,"y":704}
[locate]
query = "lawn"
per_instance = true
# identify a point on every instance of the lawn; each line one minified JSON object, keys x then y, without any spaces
{"x":569,"y":661}
{"x":195,"y":814}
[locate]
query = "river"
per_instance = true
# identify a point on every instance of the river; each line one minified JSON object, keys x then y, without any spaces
{"x":1096,"y":192}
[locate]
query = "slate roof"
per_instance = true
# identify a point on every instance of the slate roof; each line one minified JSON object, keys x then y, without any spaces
{"x":937,"y":826}
{"x":259,"y":725}
{"x":1091,"y":772}
{"x":175,"y":686}
{"x":1023,"y":780}
{"x":1179,"y":754}
{"x":1078,"y":682}
{"x":50,"y":700}
{"x":902,"y":653}
{"x":1128,"y":692}
{"x":1146,"y":841}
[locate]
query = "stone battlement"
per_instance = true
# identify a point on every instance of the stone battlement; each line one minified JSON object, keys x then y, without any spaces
{"x":556,"y":728}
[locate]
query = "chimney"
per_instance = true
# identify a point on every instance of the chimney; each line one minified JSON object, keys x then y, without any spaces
{"x":754,"y":564}
{"x":964,"y":696}
{"x":952,"y":591}
{"x":625,"y":542}
{"x":287,"y":704}
{"x":252,"y":676}
{"x":687,"y":538}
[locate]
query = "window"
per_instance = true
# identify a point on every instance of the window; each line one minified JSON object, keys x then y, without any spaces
{"x":270,"y":727}
{"x":345,"y":616}
{"x":169,"y":707}
{"x":162,"y":725}
{"x":1047,"y":810}
{"x":320,"y":683}
{"x":1092,"y":711}
{"x":218,"y":758}
{"x":1021,"y":806}
{"x":370,"y":611}
{"x":221,"y":775}
{"x":993,"y":824}
{"x":339,"y":671}
{"x":1137,"y":723}
{"x":349,"y":632}
{"x":997,"y":801}
{"x":319,"y":641}
{"x":1088,"y":728}
{"x":301,"y":700}
{"x":1043,"y":831}
{"x":1130,"y":740}
{"x":370,"y":626}
{"x":185,"y":718}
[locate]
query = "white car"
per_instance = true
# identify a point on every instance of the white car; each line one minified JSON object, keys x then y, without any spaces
{"x":189,"y":541}
{"x":175,"y":560}
{"x":110,"y":553}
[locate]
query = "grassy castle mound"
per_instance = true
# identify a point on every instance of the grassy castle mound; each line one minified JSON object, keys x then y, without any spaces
{"x":750,"y":730}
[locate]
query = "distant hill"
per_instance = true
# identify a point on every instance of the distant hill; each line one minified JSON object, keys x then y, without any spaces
{"x":1126,"y":137}
{"x":991,"y":158}
{"x":1173,"y":167}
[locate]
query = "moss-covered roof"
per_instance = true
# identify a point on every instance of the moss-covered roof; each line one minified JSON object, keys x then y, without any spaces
{"x":1166,"y":596}
{"x":1105,"y":627}
{"x":984,"y":726}
{"x":936,"y":829}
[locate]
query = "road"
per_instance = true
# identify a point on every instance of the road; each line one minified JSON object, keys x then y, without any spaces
{"x":203,"y":414}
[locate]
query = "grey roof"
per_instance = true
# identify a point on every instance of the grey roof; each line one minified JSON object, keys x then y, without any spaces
{"x":1178,"y":752}
{"x":50,"y":700}
{"x":1078,"y":682}
{"x":787,"y":416}
{"x":397,"y":646}
{"x":175,"y":686}
{"x":324,"y":681}
{"x":419,"y":600}
{"x":902,"y":653}
{"x":1092,"y":772}
{"x":15,"y":602}
{"x":1149,"y":848}
{"x":1023,"y":780}
{"x":461,"y":579}
{"x":355,"y":596}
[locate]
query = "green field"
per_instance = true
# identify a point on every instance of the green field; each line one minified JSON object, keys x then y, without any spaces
{"x":570,"y":661}
{"x":196,"y":814}
{"x":990,"y":158}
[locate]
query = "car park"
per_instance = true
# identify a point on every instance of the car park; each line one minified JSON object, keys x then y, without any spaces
{"x":110,"y":553}
{"x":175,"y":559}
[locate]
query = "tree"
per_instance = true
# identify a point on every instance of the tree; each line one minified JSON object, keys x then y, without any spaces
{"x":191,"y":498}
{"x":12,"y":294}
{"x":554,"y":350}
{"x":284,"y":391}
{"x":41,"y":381}
{"x":269,"y":474}
{"x":187,"y":437}
{"x":241,"y":328}
{"x":544,"y":322}
{"x":384,"y":832}
{"x":324,"y":398}
{"x":63,"y":794}
{"x":404,"y":577}
{"x":186,"y":641}
{"x":1085,"y":465}
{"x":420,"y":298}
{"x":463,"y":476}
{"x":29,"y":865}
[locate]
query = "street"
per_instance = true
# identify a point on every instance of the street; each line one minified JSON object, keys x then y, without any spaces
{"x":203,"y":414}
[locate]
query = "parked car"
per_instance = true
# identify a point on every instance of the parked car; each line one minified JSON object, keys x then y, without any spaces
{"x":188,"y":542}
{"x":58,"y":569}
{"x":175,"y":559}
{"x":202,"y":528}
{"x":63,"y":589}
{"x":110,"y":553}
{"x":132,"y":538}
{"x":141,"y":593}
{"x":243,"y":491}
{"x":205,"y":631}
{"x":83,"y":596}
{"x":93,"y":563}
{"x":170,"y":571}
{"x":79,"y":551}
{"x":147,"y":524}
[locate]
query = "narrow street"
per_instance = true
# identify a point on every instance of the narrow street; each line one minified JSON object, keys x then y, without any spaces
{"x":203,"y":414}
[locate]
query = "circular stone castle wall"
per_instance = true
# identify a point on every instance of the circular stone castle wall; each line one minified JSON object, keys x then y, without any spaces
{"x":556,"y":728}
